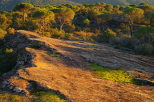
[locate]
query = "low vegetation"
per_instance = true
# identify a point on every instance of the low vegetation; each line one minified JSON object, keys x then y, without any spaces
{"x":37,"y":97}
{"x":48,"y":97}
{"x":6,"y":97}
{"x":111,"y":74}
{"x":7,"y":60}
{"x":117,"y":75}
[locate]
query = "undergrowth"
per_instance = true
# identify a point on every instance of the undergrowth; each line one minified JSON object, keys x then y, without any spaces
{"x":5,"y":97}
{"x":41,"y":96}
{"x":7,"y":60}
{"x":48,"y":97}
{"x":111,"y":74}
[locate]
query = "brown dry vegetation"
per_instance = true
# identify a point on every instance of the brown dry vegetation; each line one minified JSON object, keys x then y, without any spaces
{"x":70,"y":75}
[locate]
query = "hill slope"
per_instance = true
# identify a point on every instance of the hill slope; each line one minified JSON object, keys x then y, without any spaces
{"x":114,"y":2}
{"x":69,"y":71}
{"x":9,"y":4}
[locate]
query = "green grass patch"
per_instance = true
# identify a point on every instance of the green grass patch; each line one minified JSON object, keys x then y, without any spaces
{"x":48,"y":97}
{"x":41,"y":96}
{"x":5,"y":97}
{"x":54,"y":54}
{"x":111,"y":74}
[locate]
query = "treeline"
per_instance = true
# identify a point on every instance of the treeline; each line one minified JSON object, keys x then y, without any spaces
{"x":128,"y":27}
{"x":10,"y":4}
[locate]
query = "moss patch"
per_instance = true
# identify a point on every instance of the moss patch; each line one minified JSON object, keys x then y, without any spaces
{"x":41,"y":96}
{"x":48,"y":97}
{"x":5,"y":97}
{"x":111,"y":74}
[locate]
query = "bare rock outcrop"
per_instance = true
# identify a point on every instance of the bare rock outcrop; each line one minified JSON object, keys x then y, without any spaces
{"x":68,"y":74}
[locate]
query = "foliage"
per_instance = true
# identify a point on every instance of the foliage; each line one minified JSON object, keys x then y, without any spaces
{"x":143,"y":31}
{"x":48,"y":97}
{"x":23,"y":7}
{"x":7,"y":56}
{"x":108,"y":35}
{"x":8,"y":50}
{"x":11,"y":31}
{"x":86,"y":21}
{"x":81,"y":35}
{"x":98,"y":22}
{"x":41,"y":96}
{"x":5,"y":97}
{"x":111,"y":74}
{"x":9,"y":4}
{"x":2,"y":33}
{"x":145,"y":49}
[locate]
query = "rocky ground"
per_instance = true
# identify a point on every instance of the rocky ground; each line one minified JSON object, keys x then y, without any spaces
{"x":63,"y":66}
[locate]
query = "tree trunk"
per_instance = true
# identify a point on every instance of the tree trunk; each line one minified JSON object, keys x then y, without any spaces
{"x":131,"y":26}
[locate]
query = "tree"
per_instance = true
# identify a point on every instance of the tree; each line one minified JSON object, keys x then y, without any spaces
{"x":17,"y":21}
{"x":146,"y":32}
{"x":132,"y":14}
{"x":86,"y":21}
{"x":64,"y":16}
{"x":149,"y":12}
{"x":2,"y":33}
{"x":102,"y":18}
{"x":23,"y":7}
{"x":4,"y":21}
{"x":108,"y":35}
{"x":44,"y":18}
{"x":150,"y":17}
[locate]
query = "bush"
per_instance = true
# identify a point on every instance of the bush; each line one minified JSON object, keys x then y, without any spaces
{"x":81,"y":35}
{"x":48,"y":97}
{"x":2,"y":33}
{"x":108,"y":35}
{"x":11,"y":31}
{"x":125,"y":42}
{"x":7,"y":56}
{"x":55,"y":33}
{"x":145,"y":49}
{"x":8,"y":50}
{"x":12,"y":98}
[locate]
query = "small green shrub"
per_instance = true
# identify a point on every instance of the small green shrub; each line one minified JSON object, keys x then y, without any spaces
{"x":11,"y":31}
{"x":126,"y":42}
{"x":7,"y":56}
{"x":82,"y":35}
{"x":48,"y":97}
{"x":5,"y":97}
{"x":8,"y":50}
{"x":111,"y":74}
{"x":145,"y":49}
{"x":2,"y":33}
{"x":108,"y":35}
{"x":55,"y":33}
